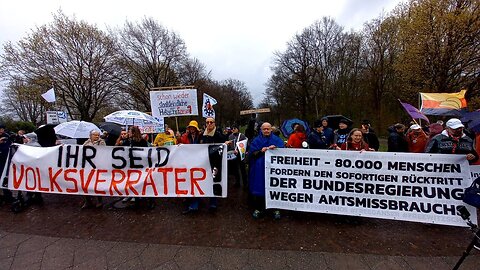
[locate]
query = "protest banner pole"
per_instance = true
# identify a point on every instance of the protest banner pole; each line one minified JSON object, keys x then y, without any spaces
{"x":176,"y":123}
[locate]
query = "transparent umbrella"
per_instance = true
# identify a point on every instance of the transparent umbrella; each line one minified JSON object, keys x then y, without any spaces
{"x":76,"y":129}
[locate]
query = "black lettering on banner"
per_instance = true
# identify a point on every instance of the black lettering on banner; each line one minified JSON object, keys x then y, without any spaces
{"x":388,"y":204}
{"x":132,"y":157}
{"x":291,"y":197}
{"x":424,"y":167}
{"x":69,"y":155}
{"x":161,"y":160}
{"x":88,"y":158}
{"x":283,"y":182}
{"x":60,"y":152}
{"x":115,"y":157}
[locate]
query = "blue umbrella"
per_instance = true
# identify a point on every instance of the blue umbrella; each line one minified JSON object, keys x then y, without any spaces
{"x":472,"y":120}
{"x":287,"y":126}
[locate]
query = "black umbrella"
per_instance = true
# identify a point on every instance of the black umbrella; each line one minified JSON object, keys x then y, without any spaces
{"x":111,"y":128}
{"x":334,"y":120}
{"x":46,"y":135}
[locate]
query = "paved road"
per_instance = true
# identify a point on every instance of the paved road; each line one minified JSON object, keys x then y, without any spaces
{"x":24,"y":251}
{"x":58,"y":235}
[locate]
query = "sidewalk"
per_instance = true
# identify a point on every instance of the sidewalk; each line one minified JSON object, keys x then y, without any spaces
{"x":23,"y":251}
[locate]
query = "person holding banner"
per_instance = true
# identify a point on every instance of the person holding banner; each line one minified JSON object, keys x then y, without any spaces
{"x":453,"y":141}
{"x":261,"y":144}
{"x":235,"y":164}
{"x":211,"y":135}
{"x":94,"y":140}
{"x":355,"y":142}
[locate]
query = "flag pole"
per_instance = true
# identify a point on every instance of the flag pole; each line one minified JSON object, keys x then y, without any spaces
{"x":420,"y":104}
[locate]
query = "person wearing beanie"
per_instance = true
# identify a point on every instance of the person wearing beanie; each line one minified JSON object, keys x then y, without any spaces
{"x":317,"y":139}
{"x":341,"y":134}
{"x":327,"y":131}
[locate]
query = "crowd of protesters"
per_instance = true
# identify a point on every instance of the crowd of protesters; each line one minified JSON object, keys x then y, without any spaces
{"x":448,"y":139}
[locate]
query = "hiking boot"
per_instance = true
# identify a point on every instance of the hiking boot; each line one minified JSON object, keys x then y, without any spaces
{"x":277,"y":215}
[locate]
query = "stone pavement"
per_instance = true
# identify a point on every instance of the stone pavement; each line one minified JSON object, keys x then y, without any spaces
{"x":23,"y":251}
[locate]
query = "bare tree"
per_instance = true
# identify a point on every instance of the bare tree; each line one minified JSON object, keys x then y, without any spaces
{"x":75,"y":57}
{"x":151,"y":56}
{"x":23,"y":100}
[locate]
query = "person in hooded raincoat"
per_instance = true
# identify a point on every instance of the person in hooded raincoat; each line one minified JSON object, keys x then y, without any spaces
{"x":261,"y":144}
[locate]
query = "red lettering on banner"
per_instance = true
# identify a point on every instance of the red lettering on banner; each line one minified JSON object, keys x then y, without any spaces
{"x":164,"y":171}
{"x":71,"y":179}
{"x":194,"y":180}
{"x":53,"y":179}
{"x":178,"y":191}
{"x":114,"y":183}
{"x":89,"y":179}
{"x":30,"y":169}
{"x":130,"y":183}
{"x":17,"y":181}
{"x":99,"y":180}
{"x":40,"y":181}
{"x":149,"y":183}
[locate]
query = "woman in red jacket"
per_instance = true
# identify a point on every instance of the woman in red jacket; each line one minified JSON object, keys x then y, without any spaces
{"x":298,"y":136}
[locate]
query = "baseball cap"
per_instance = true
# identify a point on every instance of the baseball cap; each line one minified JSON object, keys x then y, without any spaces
{"x":454,"y":123}
{"x":415,"y":126}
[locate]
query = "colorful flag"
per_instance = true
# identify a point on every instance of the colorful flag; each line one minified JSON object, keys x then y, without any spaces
{"x":49,"y":96}
{"x":443,"y":103}
{"x":208,"y":103}
{"x":242,"y":148}
{"x":413,"y":112}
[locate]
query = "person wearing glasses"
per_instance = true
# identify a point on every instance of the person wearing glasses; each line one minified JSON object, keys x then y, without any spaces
{"x":453,"y":141}
{"x":210,"y":135}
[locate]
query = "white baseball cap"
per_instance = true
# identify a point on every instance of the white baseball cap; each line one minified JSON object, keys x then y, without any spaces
{"x":415,"y":126}
{"x":454,"y":123}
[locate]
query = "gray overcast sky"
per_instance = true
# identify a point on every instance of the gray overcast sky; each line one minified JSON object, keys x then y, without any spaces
{"x":234,"y":39}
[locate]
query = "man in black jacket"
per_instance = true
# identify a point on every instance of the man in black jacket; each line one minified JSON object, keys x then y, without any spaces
{"x":396,"y":139}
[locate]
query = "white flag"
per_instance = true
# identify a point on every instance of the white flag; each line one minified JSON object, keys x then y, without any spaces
{"x":208,"y":103}
{"x":242,"y":148}
{"x":49,"y":96}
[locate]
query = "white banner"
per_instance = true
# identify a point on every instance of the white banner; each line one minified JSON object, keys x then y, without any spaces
{"x":172,"y":171}
{"x":475,"y":171}
{"x":401,"y":186}
{"x":174,"y":102}
{"x":154,"y":128}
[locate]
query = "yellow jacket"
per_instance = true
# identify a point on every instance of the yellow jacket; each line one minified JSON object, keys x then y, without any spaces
{"x":164,"y":139}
